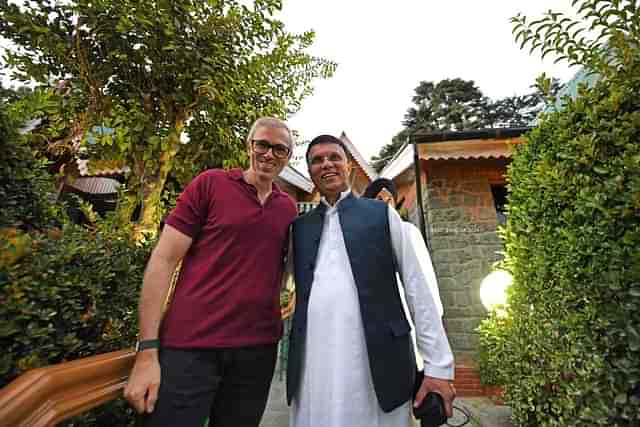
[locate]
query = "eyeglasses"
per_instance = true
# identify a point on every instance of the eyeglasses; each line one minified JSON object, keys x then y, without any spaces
{"x":332,"y":158}
{"x":280,"y":151}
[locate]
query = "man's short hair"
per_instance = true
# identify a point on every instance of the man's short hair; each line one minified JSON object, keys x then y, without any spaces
{"x":269,"y":122}
{"x":325,"y":139}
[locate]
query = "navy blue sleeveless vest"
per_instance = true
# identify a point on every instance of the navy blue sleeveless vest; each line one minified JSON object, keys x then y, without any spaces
{"x":365,"y":227}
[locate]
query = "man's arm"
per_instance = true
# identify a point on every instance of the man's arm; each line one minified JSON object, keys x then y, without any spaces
{"x":424,"y":262}
{"x":142,"y":388}
{"x":431,"y":338}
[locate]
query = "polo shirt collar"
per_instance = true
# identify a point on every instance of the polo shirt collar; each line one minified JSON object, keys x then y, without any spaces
{"x":237,"y":174}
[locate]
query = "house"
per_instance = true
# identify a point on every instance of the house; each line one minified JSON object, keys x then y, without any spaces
{"x":361,"y":172}
{"x":462,"y":180}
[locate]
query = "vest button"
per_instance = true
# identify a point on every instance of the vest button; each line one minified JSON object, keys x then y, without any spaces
{"x":311,"y":266}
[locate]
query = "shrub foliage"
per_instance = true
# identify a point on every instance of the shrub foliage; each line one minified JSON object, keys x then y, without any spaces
{"x":66,"y":291}
{"x":568,"y":350}
{"x":24,"y":181}
{"x":74,"y":295}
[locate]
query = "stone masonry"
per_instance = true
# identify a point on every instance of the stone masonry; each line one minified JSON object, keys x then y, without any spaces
{"x":462,"y":222}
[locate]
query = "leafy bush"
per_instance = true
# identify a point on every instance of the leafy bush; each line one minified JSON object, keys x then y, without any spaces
{"x":73,"y":296}
{"x":66,"y":291}
{"x":24,"y":181}
{"x":493,"y":337}
{"x":569,"y":353}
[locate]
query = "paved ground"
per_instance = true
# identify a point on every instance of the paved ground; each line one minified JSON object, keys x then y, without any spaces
{"x":277,"y":413}
{"x":482,"y":411}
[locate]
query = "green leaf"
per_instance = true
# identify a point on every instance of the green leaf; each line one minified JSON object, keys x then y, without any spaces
{"x":620,"y":399}
{"x":600,"y":170}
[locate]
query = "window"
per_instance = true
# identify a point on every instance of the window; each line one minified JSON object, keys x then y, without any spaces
{"x":500,"y":196}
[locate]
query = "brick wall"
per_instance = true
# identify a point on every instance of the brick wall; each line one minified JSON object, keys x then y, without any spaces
{"x":467,"y":382}
{"x":462,"y":222}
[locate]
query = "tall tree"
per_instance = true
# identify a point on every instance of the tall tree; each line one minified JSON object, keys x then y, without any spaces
{"x":451,"y":104}
{"x":178,"y":81}
{"x":520,"y":110}
{"x":456,"y":104}
{"x":11,"y":94}
{"x":389,"y":150}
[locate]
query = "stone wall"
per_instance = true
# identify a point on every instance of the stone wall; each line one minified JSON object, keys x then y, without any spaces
{"x":462,"y":222}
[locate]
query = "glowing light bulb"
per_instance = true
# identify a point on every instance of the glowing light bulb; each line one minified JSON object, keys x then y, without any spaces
{"x":493,"y":289}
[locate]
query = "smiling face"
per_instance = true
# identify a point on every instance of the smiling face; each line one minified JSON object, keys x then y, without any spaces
{"x":266,"y":166}
{"x":329,"y":168}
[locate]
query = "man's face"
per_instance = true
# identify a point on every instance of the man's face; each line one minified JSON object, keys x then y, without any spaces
{"x":329,"y":168}
{"x":265,"y":163}
{"x":386,"y":196}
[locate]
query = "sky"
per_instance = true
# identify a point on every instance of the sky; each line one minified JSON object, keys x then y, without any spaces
{"x":384,"y":49}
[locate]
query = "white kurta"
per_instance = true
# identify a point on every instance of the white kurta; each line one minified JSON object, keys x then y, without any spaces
{"x":425,"y":264}
{"x":336,"y":388}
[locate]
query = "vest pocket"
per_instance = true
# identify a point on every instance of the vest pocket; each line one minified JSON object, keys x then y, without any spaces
{"x":399,"y":328}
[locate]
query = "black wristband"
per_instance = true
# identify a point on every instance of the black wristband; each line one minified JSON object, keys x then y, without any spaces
{"x":147,"y":344}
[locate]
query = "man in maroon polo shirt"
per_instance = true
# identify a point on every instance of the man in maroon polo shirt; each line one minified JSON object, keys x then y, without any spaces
{"x":214,"y":353}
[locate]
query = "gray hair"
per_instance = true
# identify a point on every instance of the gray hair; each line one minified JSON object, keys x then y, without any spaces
{"x":269,"y":122}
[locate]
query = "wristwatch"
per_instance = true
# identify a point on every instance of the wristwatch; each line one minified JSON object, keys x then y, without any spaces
{"x":146,"y":345}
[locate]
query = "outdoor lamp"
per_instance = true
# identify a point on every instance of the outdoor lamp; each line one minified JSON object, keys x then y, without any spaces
{"x":493,"y":289}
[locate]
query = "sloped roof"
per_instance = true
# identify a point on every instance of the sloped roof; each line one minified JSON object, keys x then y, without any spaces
{"x":400,"y":162}
{"x":91,"y":167}
{"x":455,"y":145}
{"x":366,"y":167}
{"x":295,"y":178}
{"x":466,"y":150}
{"x":96,"y":185}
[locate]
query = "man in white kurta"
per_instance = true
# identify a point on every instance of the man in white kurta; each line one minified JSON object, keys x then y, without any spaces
{"x":336,"y":387}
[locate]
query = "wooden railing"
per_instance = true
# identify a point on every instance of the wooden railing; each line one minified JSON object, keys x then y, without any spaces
{"x":44,"y":397}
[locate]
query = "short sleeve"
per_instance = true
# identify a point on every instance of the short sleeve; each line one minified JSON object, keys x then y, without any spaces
{"x":192,"y":206}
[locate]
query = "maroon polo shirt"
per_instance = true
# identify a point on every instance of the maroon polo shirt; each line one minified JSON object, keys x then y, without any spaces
{"x":227,"y":293}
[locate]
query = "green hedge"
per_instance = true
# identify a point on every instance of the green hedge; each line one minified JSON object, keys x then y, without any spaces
{"x":24,"y":181}
{"x":567,"y":348}
{"x":569,"y":352}
{"x":70,"y":297}
{"x":66,"y":291}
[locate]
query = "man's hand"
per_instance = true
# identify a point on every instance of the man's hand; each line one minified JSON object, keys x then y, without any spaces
{"x":142,"y":388}
{"x":443,"y":387}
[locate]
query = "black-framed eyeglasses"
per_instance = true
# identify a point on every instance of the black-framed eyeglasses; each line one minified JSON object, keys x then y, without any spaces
{"x":261,"y":146}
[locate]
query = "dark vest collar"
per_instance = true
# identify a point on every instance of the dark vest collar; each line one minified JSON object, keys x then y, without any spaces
{"x":321,"y":208}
